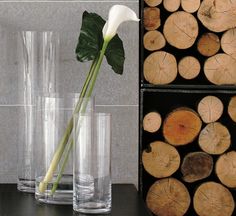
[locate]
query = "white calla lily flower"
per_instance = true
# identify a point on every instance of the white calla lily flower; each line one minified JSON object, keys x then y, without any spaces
{"x":117,"y":15}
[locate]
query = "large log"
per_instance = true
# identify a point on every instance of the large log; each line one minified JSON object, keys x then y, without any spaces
{"x":153,"y":3}
{"x":228,"y":42}
{"x":168,"y":197}
{"x":220,"y":69}
{"x":218,"y":15}
{"x":153,"y":40}
{"x":210,"y":108}
{"x":190,"y":6}
{"x":152,"y":122}
{"x":232,"y":108}
{"x":196,"y":166}
{"x":161,"y":159}
{"x":214,"y":138}
{"x":226,"y":169}
{"x":189,"y":67}
{"x":181,"y":29}
{"x":181,"y":126}
{"x":213,"y":199}
{"x":151,"y":18}
{"x":171,"y":5}
{"x":208,"y":44}
{"x":160,"y":68}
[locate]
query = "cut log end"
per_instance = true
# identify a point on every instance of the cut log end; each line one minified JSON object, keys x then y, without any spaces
{"x":232,"y":108}
{"x":153,"y":3}
{"x":213,"y":199}
{"x":181,"y":126}
{"x":168,"y":197}
{"x":208,"y":44}
{"x":210,"y":108}
{"x":151,"y":18}
{"x":214,"y":138}
{"x":226,"y":169}
{"x":189,"y":67}
{"x":190,"y":6}
{"x":171,"y":5}
{"x":160,"y":68}
{"x":153,"y":40}
{"x":161,"y":160}
{"x":152,"y":122}
{"x":196,"y":166}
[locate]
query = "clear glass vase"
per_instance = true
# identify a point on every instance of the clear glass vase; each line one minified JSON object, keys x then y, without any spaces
{"x":38,"y":58}
{"x":92,"y":163}
{"x":54,"y":178}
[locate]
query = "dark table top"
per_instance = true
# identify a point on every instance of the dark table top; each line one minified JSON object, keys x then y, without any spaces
{"x":125,"y":202}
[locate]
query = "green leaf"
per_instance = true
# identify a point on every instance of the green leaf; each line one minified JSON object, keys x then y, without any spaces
{"x":115,"y":54}
{"x":91,"y":40}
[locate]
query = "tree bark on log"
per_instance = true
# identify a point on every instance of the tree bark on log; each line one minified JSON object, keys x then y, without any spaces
{"x":220,"y":69}
{"x":160,"y":68}
{"x":152,"y":122}
{"x":217,"y":15}
{"x":161,"y":159}
{"x":190,"y":6}
{"x":210,"y":108}
{"x":168,"y":197}
{"x":153,"y":3}
{"x":189,"y":67}
{"x":181,"y":29}
{"x":226,"y":169}
{"x":232,"y":108}
{"x":213,"y":199}
{"x":151,"y":18}
{"x":153,"y":40}
{"x":228,"y":42}
{"x":208,"y":44}
{"x":214,"y":138}
{"x":196,"y":166}
{"x":171,"y":5}
{"x":181,"y":126}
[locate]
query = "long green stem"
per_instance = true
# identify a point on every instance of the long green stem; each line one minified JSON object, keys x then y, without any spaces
{"x":90,"y":90}
{"x":59,"y":152}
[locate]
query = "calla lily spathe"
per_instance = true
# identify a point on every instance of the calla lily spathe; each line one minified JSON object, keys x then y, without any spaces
{"x":117,"y":15}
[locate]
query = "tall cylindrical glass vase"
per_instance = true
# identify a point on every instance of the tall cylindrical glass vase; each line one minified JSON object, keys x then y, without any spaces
{"x":38,"y":54}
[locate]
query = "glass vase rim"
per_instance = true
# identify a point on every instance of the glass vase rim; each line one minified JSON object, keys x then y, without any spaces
{"x":102,"y":114}
{"x":40,"y":31}
{"x":60,"y":95}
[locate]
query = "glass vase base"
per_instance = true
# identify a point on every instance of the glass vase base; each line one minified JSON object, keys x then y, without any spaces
{"x":62,"y":196}
{"x":92,"y":208}
{"x":25,"y":185}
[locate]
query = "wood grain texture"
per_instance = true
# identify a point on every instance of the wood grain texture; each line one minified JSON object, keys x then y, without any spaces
{"x":190,"y":6}
{"x":153,"y":40}
{"x":232,"y":108}
{"x":151,"y":18}
{"x":152,"y":122}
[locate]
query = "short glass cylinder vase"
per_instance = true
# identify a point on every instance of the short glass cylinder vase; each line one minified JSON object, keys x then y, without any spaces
{"x":38,"y":60}
{"x":92,"y":163}
{"x":54,"y":163}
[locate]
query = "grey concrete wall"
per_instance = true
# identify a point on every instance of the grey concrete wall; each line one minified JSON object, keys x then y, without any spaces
{"x":114,"y":93}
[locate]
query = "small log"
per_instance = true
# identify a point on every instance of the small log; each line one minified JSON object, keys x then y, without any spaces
{"x":181,"y":126}
{"x":213,"y":199}
{"x":161,"y":159}
{"x":171,"y":5}
{"x":160,"y":68}
{"x":210,"y":108}
{"x":154,"y":40}
{"x":190,"y":6}
{"x":153,"y":3}
{"x":181,"y":29}
{"x":214,"y":138}
{"x":232,"y":108}
{"x":189,"y":67}
{"x":220,"y":69}
{"x":196,"y":166}
{"x":168,"y":197}
{"x":226,"y":169}
{"x":217,"y":15}
{"x":151,"y":18}
{"x":228,"y":42}
{"x":152,"y":122}
{"x":208,"y":44}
